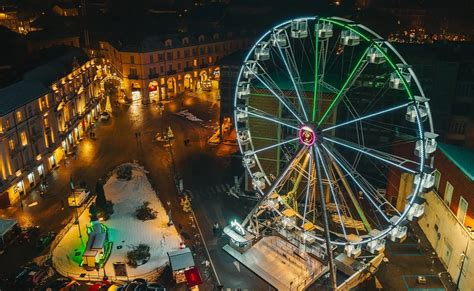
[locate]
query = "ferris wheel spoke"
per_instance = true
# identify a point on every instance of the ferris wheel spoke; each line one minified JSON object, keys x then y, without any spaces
{"x":326,"y":173}
{"x":275,"y":145}
{"x":289,"y":58}
{"x":316,"y":70}
{"x":356,"y":71}
{"x":277,"y":183}
{"x":351,"y":172}
{"x":308,"y":187}
{"x":381,"y":156}
{"x":367,"y":116}
{"x":350,"y":193}
{"x":261,"y":115}
{"x":280,"y":98}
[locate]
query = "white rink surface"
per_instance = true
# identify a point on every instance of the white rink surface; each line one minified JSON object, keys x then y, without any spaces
{"x":124,"y":230}
{"x":272,"y":259}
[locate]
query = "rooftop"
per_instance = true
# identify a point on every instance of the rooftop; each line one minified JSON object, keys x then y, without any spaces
{"x":157,"y":42}
{"x":462,"y":157}
{"x":35,"y":82}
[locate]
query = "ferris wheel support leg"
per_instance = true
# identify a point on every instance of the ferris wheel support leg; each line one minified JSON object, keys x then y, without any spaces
{"x":332,"y":268}
{"x":365,"y":222}
{"x":292,"y":193}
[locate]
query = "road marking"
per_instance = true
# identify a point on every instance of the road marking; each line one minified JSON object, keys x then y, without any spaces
{"x":205,"y":247}
{"x":237,"y":265}
{"x":33,"y":204}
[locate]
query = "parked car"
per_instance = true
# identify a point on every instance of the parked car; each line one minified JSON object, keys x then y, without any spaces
{"x":153,"y":286}
{"x":44,"y":240}
{"x":61,"y":284}
{"x":28,"y":234}
{"x":104,"y":115}
{"x":30,"y":275}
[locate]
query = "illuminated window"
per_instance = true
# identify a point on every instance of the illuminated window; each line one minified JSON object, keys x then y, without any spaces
{"x":195,"y":62}
{"x":19,"y":116}
{"x":23,"y":139}
{"x":209,"y":60}
{"x":7,"y":123}
{"x":162,"y":81}
{"x":11,"y":144}
{"x":45,"y":122}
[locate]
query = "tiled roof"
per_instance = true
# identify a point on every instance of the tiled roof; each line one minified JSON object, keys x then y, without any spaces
{"x":35,"y":83}
{"x":20,"y":93}
{"x":463,"y":158}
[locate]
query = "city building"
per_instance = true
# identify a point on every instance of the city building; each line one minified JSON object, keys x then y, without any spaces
{"x":43,"y":116}
{"x":66,"y":9}
{"x":16,"y":21}
{"x":447,"y":78}
{"x":448,"y":220}
{"x":157,"y":68}
{"x":39,"y":40}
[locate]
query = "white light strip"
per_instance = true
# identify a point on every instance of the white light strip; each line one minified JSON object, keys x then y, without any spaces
{"x":275,"y":145}
{"x":372,"y":155}
{"x":366,"y":117}
{"x":268,"y":118}
{"x":293,"y":81}
{"x":332,"y":191}
{"x":355,"y":181}
{"x":279,"y":98}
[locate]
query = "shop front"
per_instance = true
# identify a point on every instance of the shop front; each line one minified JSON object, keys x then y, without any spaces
{"x":154,"y":92}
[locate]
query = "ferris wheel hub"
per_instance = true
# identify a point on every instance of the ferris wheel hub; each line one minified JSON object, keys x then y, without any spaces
{"x":307,"y":135}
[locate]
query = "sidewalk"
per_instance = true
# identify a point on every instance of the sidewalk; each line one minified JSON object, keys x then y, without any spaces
{"x":408,"y":260}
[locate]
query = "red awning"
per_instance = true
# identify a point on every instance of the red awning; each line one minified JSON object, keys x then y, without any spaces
{"x":193,"y":277}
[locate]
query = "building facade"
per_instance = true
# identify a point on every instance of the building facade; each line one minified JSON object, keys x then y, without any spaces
{"x":448,"y":220}
{"x":157,"y":69}
{"x":42,"y":118}
{"x":10,"y":18}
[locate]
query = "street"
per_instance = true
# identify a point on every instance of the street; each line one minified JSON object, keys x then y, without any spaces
{"x":116,"y":143}
{"x":207,"y":172}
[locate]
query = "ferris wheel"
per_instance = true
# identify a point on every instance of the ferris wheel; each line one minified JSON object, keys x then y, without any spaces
{"x":330,"y":118}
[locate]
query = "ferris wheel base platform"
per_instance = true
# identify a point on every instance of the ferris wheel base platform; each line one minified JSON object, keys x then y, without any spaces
{"x":276,"y":261}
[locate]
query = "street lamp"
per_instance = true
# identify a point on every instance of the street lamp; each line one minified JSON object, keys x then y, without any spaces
{"x":71,"y":183}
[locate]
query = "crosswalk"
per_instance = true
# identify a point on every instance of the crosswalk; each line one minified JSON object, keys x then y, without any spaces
{"x":220,"y":190}
{"x":213,"y":190}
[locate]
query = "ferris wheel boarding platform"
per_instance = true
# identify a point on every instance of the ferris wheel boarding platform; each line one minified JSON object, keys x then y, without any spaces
{"x":278,"y":263}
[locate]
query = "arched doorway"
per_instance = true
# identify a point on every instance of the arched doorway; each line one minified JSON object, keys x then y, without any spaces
{"x":188,"y":82}
{"x":215,"y":75}
{"x":153,"y":92}
{"x":136,"y":92}
{"x":113,"y":86}
{"x":203,"y":75}
{"x":171,"y":87}
{"x":206,"y":84}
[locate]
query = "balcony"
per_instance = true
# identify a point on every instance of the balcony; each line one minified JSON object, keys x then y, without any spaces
{"x":153,"y":76}
{"x":188,"y":69}
{"x":202,"y":66}
{"x":171,"y":72}
{"x":133,"y":77}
